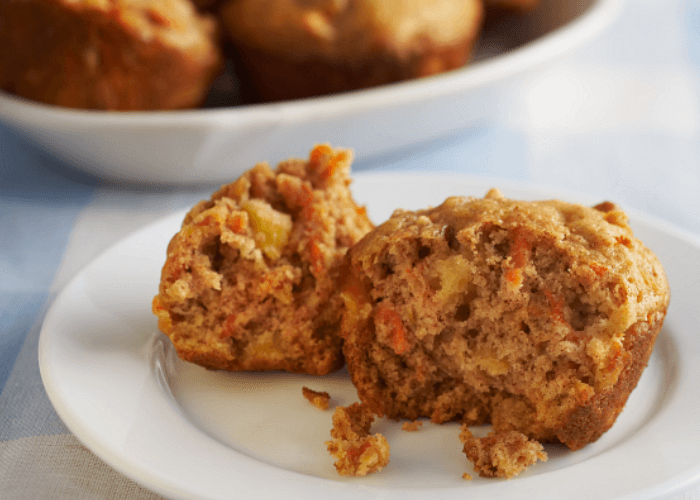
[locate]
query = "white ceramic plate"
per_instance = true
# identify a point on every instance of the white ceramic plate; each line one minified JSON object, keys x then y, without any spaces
{"x":217,"y":145}
{"x":189,"y":433}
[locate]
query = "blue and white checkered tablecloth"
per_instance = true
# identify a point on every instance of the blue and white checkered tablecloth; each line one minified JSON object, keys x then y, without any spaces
{"x":618,"y":119}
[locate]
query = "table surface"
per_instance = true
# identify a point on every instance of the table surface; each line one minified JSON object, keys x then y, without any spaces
{"x":618,"y":119}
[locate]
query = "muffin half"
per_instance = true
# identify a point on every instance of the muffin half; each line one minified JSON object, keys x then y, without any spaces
{"x":537,"y":317}
{"x":250,"y":280}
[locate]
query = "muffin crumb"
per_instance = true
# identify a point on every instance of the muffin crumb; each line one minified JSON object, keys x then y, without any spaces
{"x":412,"y":426}
{"x":504,"y":454}
{"x":319,"y":399}
{"x":358,"y":452}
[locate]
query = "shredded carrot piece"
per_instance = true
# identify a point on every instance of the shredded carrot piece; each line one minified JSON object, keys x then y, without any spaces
{"x":519,"y":252}
{"x":334,"y":163}
{"x":556,"y":305}
{"x":206,"y":221}
{"x":387,"y":315}
{"x":598,"y":269}
{"x":237,"y":223}
{"x":623,"y":240}
{"x":355,"y":453}
{"x":520,"y":248}
{"x":316,"y":259}
{"x":229,"y":326}
{"x":318,"y":153}
{"x":515,"y":276}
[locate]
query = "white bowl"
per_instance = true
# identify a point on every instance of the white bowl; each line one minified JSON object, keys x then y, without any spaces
{"x":215,"y":145}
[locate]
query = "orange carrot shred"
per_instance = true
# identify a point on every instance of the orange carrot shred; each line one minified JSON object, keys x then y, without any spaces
{"x":389,"y":317}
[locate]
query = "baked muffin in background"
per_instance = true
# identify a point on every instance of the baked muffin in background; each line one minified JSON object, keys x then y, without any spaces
{"x":108,"y":54}
{"x":301,"y":48}
{"x":538,"y":317}
{"x":250,"y":280}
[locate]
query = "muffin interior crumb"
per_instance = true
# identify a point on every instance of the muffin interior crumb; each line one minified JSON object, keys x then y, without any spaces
{"x":357,"y":452}
{"x":501,"y":454}
{"x":249,"y":281}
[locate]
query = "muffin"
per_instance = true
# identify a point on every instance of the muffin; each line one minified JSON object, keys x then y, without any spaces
{"x":108,"y":55}
{"x":538,"y":317}
{"x":250,"y":280}
{"x":302,"y":48}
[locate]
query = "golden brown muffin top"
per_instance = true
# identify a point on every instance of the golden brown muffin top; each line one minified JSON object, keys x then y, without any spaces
{"x":599,"y":240}
{"x":175,"y":23}
{"x":350,"y":29}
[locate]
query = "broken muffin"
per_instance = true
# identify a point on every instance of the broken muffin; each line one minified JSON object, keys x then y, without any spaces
{"x":538,"y":317}
{"x":249,"y":281}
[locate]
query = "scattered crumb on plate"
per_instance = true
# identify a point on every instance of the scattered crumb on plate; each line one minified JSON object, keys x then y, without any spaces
{"x":504,"y":454}
{"x":319,"y":399}
{"x":357,"y":452}
{"x":412,"y":426}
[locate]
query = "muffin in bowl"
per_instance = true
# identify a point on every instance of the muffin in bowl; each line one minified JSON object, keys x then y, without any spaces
{"x":302,"y":48}
{"x":108,"y":55}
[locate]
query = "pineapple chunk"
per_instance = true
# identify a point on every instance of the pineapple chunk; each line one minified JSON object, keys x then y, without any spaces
{"x":455,"y":276}
{"x":493,"y":366}
{"x":272,"y":228}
